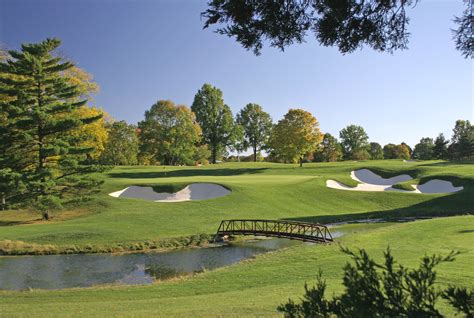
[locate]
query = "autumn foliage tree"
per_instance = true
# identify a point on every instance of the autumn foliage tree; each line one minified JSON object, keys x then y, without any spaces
{"x":93,"y":135}
{"x":122,"y":145}
{"x":392,"y":151}
{"x":295,"y":136}
{"x":170,"y":133}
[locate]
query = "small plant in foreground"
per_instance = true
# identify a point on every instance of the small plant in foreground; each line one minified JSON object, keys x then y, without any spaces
{"x":382,"y":290}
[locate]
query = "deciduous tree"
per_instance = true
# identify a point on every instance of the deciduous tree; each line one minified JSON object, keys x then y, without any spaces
{"x":462,"y":141}
{"x":295,"y":136}
{"x":440,"y":149}
{"x":93,"y":135}
{"x":346,"y":24}
{"x":215,"y":119}
{"x":392,"y":151}
{"x":375,"y":151}
{"x":424,"y":149}
{"x":122,"y":145}
{"x":328,"y":150}
{"x":354,"y":141}
{"x":257,"y":126}
{"x":170,"y":133}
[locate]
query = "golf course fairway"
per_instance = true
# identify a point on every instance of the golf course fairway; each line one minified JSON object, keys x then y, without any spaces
{"x":253,"y":287}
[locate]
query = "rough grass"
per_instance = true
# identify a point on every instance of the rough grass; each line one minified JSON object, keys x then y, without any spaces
{"x":8,"y":247}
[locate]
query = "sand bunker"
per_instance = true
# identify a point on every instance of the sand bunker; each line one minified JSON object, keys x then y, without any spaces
{"x":367,"y":176}
{"x":437,"y":186}
{"x":370,"y":181}
{"x":194,"y":191}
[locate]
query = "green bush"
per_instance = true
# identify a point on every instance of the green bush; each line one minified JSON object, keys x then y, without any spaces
{"x":382,"y":290}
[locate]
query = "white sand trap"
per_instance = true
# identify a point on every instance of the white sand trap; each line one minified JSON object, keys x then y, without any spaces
{"x":362,"y":187}
{"x":367,"y":176}
{"x":194,"y":191}
{"x":409,"y":160}
{"x":437,"y":186}
{"x":370,"y":181}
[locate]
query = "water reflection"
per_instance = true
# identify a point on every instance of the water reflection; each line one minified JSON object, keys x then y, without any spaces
{"x":67,"y":271}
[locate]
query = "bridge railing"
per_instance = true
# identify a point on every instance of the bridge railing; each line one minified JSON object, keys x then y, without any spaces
{"x":286,"y":229}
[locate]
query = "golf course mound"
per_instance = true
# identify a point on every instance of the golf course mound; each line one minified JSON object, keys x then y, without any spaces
{"x":194,"y":191}
{"x":370,"y":181}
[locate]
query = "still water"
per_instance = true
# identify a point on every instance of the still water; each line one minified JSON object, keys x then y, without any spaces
{"x":67,"y":271}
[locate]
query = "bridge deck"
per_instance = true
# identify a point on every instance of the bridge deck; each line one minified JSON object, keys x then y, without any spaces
{"x":303,"y":231}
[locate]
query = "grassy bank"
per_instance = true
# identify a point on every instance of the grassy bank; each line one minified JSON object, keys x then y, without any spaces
{"x":8,"y":247}
{"x":255,"y":287}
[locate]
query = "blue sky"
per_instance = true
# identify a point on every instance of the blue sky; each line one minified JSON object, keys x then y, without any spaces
{"x":142,"y":51}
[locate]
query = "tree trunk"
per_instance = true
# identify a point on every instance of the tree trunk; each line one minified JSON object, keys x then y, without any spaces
{"x":214,"y":155}
{"x":254,"y":154}
{"x":46,"y":215}
{"x":301,"y":162}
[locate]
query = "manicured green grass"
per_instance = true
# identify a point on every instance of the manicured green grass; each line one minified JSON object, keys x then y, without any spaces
{"x":270,"y":191}
{"x":262,"y":190}
{"x":407,"y":185}
{"x":255,"y":287}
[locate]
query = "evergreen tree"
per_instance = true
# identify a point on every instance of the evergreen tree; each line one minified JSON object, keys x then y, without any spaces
{"x":36,"y":103}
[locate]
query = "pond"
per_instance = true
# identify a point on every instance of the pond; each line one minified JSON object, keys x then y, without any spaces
{"x":67,"y":271}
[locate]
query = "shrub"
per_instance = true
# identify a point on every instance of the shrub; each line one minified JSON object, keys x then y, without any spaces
{"x":382,"y":290}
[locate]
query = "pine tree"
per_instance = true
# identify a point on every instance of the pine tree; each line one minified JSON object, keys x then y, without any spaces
{"x":36,"y":102}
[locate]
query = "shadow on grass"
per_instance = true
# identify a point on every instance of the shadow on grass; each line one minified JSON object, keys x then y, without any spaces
{"x":447,"y":163}
{"x":185,"y":173}
{"x":11,"y":223}
{"x":461,"y":203}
